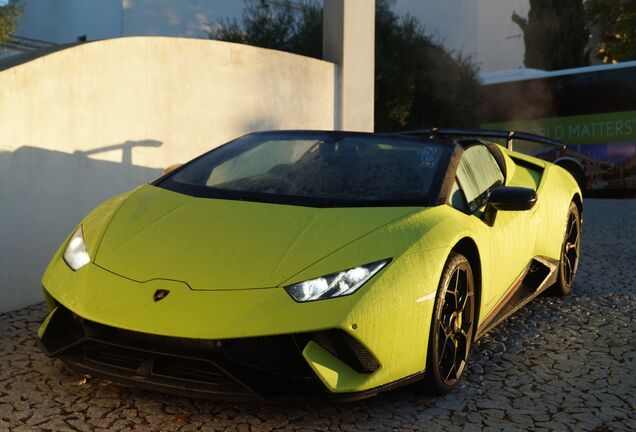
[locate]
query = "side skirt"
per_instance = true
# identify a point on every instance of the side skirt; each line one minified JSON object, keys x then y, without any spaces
{"x":540,"y":274}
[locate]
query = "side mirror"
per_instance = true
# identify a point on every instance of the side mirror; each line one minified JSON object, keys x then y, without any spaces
{"x":171,"y":168}
{"x":509,"y":198}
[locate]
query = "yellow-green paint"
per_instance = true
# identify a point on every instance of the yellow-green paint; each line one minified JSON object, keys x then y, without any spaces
{"x":335,"y":374}
{"x":214,"y":244}
{"x":225,"y":264}
{"x":526,"y":177}
{"x":45,"y":323}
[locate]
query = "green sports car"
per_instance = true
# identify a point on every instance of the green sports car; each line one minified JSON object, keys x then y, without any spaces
{"x":292,"y":264}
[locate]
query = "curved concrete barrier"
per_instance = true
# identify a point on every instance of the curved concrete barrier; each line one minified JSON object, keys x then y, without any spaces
{"x":84,"y":123}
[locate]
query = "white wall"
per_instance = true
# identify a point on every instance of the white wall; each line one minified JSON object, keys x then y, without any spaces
{"x":349,"y":41}
{"x":85,"y":123}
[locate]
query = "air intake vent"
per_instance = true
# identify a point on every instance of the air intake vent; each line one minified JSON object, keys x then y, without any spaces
{"x":347,"y":348}
{"x":190,"y":369}
{"x":117,"y":357}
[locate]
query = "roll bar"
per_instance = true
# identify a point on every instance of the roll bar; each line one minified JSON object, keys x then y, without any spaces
{"x":509,"y":136}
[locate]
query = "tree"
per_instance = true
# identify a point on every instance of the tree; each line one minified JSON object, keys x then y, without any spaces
{"x":417,"y":82}
{"x":555,"y":34}
{"x":616,"y":22}
{"x":9,"y":18}
{"x":282,"y":26}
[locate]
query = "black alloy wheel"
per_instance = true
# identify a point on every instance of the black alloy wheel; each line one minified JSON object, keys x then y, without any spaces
{"x":570,"y":253}
{"x":453,"y":326}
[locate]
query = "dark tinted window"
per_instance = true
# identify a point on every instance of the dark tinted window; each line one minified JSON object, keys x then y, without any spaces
{"x":318,"y":168}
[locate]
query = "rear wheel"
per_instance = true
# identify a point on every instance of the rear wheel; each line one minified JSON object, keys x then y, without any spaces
{"x":570,"y":250}
{"x":452,"y":327}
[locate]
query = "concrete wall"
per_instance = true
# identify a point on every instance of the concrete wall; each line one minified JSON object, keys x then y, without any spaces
{"x":349,"y":41}
{"x":83,"y":124}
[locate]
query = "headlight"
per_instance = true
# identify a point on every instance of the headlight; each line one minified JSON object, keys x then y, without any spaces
{"x":75,"y":254}
{"x":336,"y":284}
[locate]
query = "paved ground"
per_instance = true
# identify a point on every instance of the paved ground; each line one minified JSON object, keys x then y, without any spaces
{"x":560,"y":364}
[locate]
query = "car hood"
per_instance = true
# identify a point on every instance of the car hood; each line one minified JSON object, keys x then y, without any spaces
{"x":214,"y":244}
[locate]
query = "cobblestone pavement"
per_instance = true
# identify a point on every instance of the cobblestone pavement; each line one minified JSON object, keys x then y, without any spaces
{"x":559,"y":364}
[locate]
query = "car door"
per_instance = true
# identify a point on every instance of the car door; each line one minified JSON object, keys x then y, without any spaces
{"x":506,"y":251}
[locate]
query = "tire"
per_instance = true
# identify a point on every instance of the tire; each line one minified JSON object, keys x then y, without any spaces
{"x":452,"y":327}
{"x":570,"y":253}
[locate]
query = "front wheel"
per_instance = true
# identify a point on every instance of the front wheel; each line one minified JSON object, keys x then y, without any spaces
{"x":452,"y":327}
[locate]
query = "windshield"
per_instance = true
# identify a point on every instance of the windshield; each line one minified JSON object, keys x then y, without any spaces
{"x":317,"y":169}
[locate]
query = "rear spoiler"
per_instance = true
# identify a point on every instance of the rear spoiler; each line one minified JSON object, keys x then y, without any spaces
{"x":487,"y":133}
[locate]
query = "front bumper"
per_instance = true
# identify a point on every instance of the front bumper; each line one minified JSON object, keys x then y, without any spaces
{"x":270,"y":367}
{"x":392,"y":328}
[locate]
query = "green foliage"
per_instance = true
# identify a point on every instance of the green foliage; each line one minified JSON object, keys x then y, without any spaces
{"x":417,"y":82}
{"x":555,"y":34}
{"x":279,"y":26}
{"x":616,"y":21}
{"x":9,"y":18}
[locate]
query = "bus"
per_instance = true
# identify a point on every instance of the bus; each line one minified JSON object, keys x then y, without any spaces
{"x":591,"y":109}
